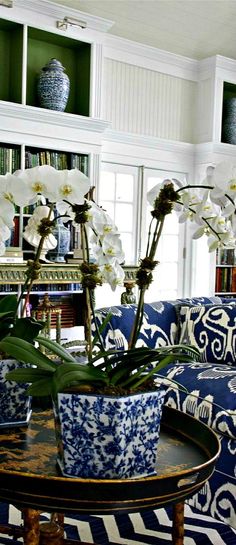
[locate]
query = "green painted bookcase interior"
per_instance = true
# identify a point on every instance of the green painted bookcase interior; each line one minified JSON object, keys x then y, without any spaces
{"x":74,"y":56}
{"x":11,"y":55}
{"x":41,"y":47}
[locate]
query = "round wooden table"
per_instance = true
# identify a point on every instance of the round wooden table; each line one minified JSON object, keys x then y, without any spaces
{"x":30,"y":479}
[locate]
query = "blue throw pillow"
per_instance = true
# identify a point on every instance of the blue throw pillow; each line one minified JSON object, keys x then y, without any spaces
{"x":212,"y":329}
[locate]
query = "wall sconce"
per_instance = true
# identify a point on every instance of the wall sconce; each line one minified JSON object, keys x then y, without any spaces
{"x":6,"y":3}
{"x":70,"y":21}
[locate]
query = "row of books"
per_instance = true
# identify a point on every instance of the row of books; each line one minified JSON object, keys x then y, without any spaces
{"x":225,"y":279}
{"x":68,"y":313}
{"x":226,"y":257}
{"x":72,"y":287}
{"x":9,"y":160}
{"x":56,"y":159}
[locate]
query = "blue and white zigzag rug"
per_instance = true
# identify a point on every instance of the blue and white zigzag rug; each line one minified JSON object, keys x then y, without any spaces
{"x":151,"y":528}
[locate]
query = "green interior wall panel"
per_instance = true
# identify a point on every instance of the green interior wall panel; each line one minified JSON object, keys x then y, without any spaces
{"x":74,"y":56}
{"x":11,"y":47}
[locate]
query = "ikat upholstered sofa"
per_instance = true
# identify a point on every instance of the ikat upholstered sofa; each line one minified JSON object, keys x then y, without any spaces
{"x":209,"y":324}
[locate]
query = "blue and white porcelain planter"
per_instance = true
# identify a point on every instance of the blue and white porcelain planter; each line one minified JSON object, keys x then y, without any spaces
{"x":15,"y":406}
{"x":108,"y":437}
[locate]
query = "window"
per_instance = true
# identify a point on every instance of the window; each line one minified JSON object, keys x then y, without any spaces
{"x":169,"y":273}
{"x":122,"y":193}
{"x":119,"y":195}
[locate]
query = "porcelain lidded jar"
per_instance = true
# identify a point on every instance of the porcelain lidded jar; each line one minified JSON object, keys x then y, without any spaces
{"x":53,"y":86}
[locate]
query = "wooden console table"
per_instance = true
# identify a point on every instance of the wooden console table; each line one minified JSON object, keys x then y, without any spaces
{"x":30,"y":480}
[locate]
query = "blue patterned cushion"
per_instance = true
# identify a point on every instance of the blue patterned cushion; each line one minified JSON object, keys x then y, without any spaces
{"x":160,"y":322}
{"x":212,"y":329}
{"x":159,"y":326}
{"x":211,"y":393}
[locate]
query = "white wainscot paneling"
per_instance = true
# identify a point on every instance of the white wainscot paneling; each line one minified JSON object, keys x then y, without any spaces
{"x":142,"y":101}
{"x":204,"y":121}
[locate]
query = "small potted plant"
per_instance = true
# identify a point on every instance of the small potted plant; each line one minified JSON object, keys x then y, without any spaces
{"x":107,"y":411}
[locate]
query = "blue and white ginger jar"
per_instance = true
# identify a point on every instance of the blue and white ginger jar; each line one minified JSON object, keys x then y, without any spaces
{"x":53,"y":86}
{"x":108,"y":437}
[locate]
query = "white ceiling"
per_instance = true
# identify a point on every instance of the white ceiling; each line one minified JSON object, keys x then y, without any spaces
{"x":193,"y":28}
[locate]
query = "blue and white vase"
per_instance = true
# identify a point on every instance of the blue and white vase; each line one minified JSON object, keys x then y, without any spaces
{"x":62,"y":234}
{"x":108,"y":437}
{"x":53,"y":86}
{"x":15,"y":405}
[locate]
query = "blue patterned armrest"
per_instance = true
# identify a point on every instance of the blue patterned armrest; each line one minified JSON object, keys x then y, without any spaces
{"x":211,"y":393}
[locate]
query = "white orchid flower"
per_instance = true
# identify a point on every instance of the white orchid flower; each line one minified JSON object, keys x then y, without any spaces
{"x":100,"y":221}
{"x":11,"y":193}
{"x":189,"y":203}
{"x":31,"y":233}
{"x":112,"y":273}
{"x":226,"y":239}
{"x":112,"y":246}
{"x":38,"y":181}
{"x":71,"y":186}
{"x":223,"y":180}
{"x":5,"y":234}
{"x":199,"y":233}
{"x":7,"y":212}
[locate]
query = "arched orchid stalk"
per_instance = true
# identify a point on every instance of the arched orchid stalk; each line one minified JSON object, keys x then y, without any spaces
{"x":64,"y":191}
{"x":209,"y":207}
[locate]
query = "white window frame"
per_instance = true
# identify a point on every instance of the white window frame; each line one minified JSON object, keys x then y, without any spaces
{"x":141,"y":175}
{"x":135,"y":172}
{"x":162,"y":175}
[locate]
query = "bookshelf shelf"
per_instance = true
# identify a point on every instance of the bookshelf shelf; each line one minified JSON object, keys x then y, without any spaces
{"x":225,"y":282}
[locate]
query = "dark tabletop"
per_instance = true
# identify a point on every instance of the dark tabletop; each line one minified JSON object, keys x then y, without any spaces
{"x":29,"y":476}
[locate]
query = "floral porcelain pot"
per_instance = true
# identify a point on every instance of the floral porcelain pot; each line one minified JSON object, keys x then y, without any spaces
{"x":15,"y":405}
{"x":108,"y":437}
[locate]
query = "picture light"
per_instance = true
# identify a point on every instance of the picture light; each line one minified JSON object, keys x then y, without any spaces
{"x":70,"y":21}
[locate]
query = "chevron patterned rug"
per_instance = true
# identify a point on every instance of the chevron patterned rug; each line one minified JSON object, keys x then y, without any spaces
{"x":151,"y":528}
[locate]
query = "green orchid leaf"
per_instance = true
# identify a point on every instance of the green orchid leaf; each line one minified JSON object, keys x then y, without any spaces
{"x":68,"y":374}
{"x":25,"y":352}
{"x":101,"y":328}
{"x":41,"y":388}
{"x":55,"y":349}
{"x":28,"y":374}
{"x":27,"y":328}
{"x":8,"y":303}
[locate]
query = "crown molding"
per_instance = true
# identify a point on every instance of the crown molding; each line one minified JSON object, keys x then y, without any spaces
{"x":216,"y":147}
{"x":151,"y":142}
{"x":219,"y":66}
{"x":124,"y":50}
{"x":38,"y":127}
{"x":52,"y":117}
{"x":56,"y":11}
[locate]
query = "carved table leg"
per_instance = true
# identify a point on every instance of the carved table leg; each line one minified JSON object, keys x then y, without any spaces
{"x":178,"y":524}
{"x":52,"y":532}
{"x":31,"y":526}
